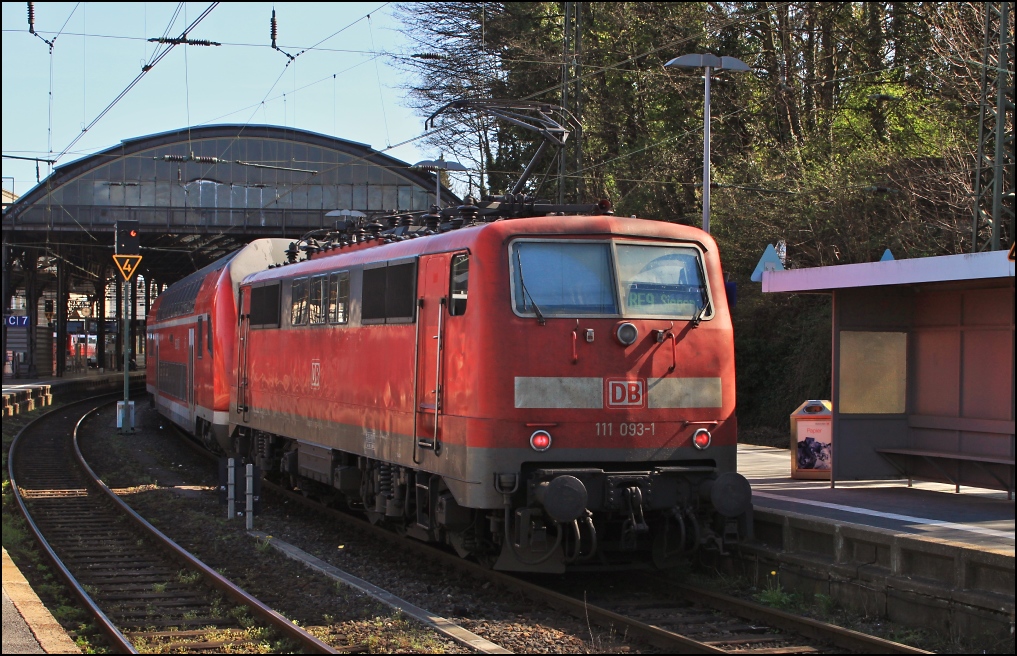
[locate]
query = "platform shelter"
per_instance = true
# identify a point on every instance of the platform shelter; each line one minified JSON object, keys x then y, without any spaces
{"x":923,"y":367}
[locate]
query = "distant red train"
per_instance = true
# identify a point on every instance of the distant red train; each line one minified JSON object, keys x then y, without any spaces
{"x":541,"y":394}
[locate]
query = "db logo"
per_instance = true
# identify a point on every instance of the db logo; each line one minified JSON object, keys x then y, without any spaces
{"x":624,"y":393}
{"x":315,"y":374}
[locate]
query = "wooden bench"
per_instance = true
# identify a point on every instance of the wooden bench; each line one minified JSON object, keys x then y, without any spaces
{"x":902,"y":460}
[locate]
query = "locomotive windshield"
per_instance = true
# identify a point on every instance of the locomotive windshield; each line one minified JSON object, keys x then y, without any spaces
{"x":572,"y":278}
{"x":661,"y":281}
{"x":563,"y":278}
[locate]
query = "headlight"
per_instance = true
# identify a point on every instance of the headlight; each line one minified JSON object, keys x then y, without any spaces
{"x":626,"y":333}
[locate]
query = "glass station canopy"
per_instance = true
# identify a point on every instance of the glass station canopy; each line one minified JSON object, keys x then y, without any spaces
{"x":234,"y":181}
{"x":249,"y":175}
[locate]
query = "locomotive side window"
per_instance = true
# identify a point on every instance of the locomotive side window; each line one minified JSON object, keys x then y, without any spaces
{"x":372,"y":308}
{"x":339,"y":297}
{"x":319,"y":296}
{"x":400,"y":285}
{"x":388,"y":293}
{"x":460,"y":278}
{"x":298,"y":302}
{"x":209,"y":334}
{"x":265,"y":306}
{"x":201,"y":323}
{"x":662,"y":281}
{"x":562,"y":278}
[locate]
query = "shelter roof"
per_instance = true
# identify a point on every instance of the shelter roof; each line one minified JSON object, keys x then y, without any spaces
{"x":944,"y":268}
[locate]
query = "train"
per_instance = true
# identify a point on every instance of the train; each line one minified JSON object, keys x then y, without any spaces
{"x":541,"y":393}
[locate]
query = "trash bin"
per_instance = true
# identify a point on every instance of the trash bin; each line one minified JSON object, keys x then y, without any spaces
{"x":812,"y":440}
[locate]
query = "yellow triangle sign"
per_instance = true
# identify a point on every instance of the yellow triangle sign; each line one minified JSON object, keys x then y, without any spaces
{"x":127,"y":264}
{"x":1010,"y":255}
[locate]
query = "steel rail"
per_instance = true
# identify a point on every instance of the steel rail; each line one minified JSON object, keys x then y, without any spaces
{"x":118,"y":640}
{"x":837,"y":635}
{"x":802,"y":626}
{"x":218,"y":581}
{"x":575,"y":607}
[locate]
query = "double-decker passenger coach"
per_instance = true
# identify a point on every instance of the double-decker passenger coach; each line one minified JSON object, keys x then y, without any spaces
{"x":191,"y":342}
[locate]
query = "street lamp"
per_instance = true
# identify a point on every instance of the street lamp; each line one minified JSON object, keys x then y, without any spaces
{"x":437,"y":165}
{"x":708,"y":62}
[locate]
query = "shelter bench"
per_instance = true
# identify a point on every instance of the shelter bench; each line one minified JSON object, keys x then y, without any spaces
{"x":903,"y":460}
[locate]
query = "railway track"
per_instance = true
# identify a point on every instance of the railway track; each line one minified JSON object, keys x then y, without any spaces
{"x":144,"y":591}
{"x":673,"y":617}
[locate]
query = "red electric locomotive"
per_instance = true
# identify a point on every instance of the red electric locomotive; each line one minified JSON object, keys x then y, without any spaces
{"x":536,"y":392}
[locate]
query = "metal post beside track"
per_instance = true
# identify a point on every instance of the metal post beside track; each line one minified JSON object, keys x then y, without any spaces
{"x":250,"y":496}
{"x":231,"y":490}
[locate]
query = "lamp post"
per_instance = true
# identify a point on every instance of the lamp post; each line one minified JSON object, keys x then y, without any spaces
{"x":710,"y":63}
{"x":438,"y":165}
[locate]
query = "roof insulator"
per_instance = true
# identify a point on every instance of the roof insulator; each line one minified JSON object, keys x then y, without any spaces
{"x":469,"y":212}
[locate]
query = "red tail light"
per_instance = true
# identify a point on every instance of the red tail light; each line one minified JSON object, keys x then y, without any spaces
{"x":701,"y":438}
{"x":540,"y":440}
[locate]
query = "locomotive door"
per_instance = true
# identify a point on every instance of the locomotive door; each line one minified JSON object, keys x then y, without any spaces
{"x":432,"y":310}
{"x":190,"y":376}
{"x":245,"y":329}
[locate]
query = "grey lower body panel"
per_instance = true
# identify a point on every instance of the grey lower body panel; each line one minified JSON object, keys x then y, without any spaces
{"x":470,"y":471}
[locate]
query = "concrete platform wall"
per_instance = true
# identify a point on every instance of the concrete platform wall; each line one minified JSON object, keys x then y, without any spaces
{"x":920,"y":582}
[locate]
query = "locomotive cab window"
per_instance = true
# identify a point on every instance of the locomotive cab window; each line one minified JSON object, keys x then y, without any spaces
{"x":587,"y":278}
{"x":663,"y":281}
{"x":459,"y":284}
{"x":298,"y":302}
{"x":265,"y":306}
{"x":562,"y":278}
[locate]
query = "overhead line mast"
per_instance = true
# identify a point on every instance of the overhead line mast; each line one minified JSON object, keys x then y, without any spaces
{"x":572,"y":98}
{"x":993,"y":221}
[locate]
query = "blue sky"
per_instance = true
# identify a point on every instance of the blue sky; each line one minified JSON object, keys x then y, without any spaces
{"x":242,"y":81}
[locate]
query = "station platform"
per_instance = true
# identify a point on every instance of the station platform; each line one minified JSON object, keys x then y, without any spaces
{"x":28,"y":394}
{"x":925,"y":556}
{"x":28,"y":626}
{"x":980,"y":518}
{"x":70,"y":376}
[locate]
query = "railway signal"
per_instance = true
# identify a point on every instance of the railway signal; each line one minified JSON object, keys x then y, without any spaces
{"x":128,"y":238}
{"x":127,"y":264}
{"x":127,"y":249}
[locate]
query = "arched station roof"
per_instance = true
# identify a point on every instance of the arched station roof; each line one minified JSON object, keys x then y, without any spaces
{"x":201,"y":192}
